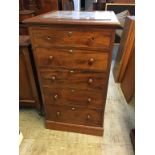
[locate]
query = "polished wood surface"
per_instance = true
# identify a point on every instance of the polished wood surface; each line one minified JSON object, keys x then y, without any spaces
{"x":47,"y":6}
{"x":92,"y":130}
{"x":124,"y":68}
{"x":24,"y":14}
{"x":128,"y":81}
{"x":74,"y":115}
{"x":39,"y":6}
{"x":119,"y":118}
{"x":125,"y":49}
{"x":71,"y":37}
{"x":98,"y":18}
{"x":23,"y":30}
{"x":79,"y":59}
{"x":24,"y":41}
{"x":28,"y":93}
{"x":64,"y":77}
{"x":66,"y":54}
{"x":74,"y":96}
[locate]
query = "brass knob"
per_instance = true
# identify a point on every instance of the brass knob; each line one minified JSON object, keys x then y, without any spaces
{"x":71,"y":51}
{"x":73,"y":108}
{"x":88,"y":116}
{"x":50,"y":57}
{"x":69,"y":34}
{"x":71,"y":71}
{"x":90,"y":81}
{"x":56,"y":96}
{"x":91,"y":61}
{"x":89,"y":100}
{"x":58,"y":113}
{"x":53,"y":78}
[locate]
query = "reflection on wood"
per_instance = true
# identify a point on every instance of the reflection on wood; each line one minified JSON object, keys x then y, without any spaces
{"x":125,"y":49}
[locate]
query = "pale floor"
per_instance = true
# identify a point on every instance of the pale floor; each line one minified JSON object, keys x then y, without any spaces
{"x":119,"y":119}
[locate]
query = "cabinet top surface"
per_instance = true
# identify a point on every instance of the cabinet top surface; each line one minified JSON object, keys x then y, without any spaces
{"x":76,"y":18}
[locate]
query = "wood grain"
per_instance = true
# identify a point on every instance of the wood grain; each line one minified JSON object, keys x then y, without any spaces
{"x":44,"y":36}
{"x":73,"y":65}
{"x":128,"y":81}
{"x":74,"y":96}
{"x":74,"y":115}
{"x":91,"y":130}
{"x":79,"y":78}
{"x":28,"y":94}
{"x":77,"y":59}
{"x":125,"y":49}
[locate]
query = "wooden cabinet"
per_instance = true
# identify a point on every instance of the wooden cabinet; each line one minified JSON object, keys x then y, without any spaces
{"x":24,"y":14}
{"x":73,"y":58}
{"x":39,"y":6}
{"x":124,"y":67}
{"x":128,"y":81}
{"x":125,"y":49}
{"x":48,"y":5}
{"x":28,"y":93}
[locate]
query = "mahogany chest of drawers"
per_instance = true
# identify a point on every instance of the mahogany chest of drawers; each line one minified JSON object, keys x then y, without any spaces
{"x":73,"y":55}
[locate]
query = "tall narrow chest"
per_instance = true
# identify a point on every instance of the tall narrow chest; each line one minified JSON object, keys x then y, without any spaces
{"x":72,"y":53}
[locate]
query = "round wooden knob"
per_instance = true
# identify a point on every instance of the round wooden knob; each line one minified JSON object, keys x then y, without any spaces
{"x":91,"y":61}
{"x":55,"y":96}
{"x":69,"y":34}
{"x":90,"y":81}
{"x":88,"y":117}
{"x":71,"y":71}
{"x":48,"y":38}
{"x":53,"y":77}
{"x":50,"y":57}
{"x":72,"y":90}
{"x":89,"y":100}
{"x":73,"y":108}
{"x":58,"y":113}
{"x":71,"y":51}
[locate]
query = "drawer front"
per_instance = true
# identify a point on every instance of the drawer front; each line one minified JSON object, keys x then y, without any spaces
{"x":75,"y":115}
{"x":74,"y":59}
{"x":72,"y":38}
{"x":77,"y":79}
{"x":74,"y":96}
